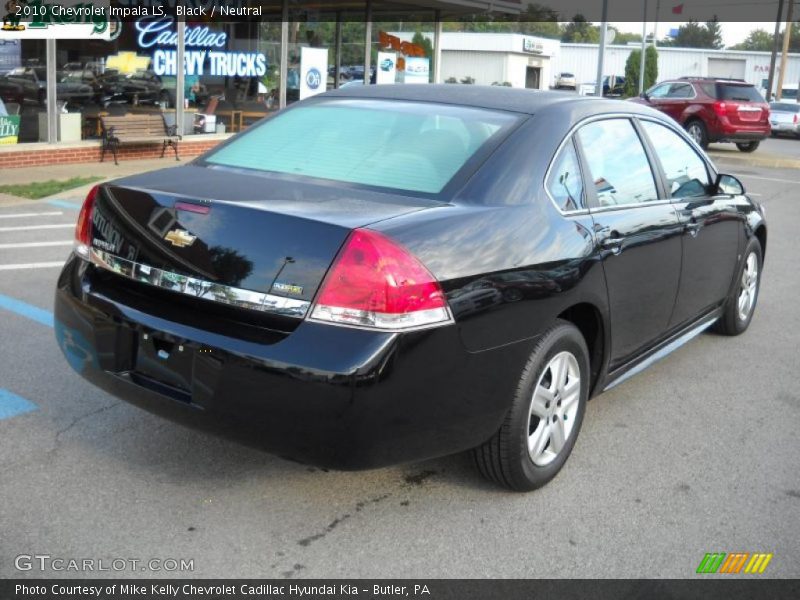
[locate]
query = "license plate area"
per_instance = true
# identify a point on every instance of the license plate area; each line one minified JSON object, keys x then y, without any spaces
{"x":165,"y":360}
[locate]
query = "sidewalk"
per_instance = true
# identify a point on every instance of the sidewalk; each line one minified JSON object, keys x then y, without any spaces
{"x":107,"y":170}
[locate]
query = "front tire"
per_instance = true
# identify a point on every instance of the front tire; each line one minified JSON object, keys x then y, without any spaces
{"x":542,"y":425}
{"x":741,"y":303}
{"x":748,"y":146}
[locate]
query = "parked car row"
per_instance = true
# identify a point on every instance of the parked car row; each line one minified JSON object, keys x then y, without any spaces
{"x":77,"y":86}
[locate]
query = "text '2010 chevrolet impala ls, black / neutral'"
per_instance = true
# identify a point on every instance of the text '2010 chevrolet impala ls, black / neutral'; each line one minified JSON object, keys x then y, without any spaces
{"x":384,"y":274}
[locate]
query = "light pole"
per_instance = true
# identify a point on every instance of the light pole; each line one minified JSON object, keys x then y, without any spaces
{"x":598,"y":90}
{"x":644,"y":49}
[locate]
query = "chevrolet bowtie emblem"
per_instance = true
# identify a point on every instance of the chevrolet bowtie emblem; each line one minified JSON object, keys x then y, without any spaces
{"x":180,"y":238}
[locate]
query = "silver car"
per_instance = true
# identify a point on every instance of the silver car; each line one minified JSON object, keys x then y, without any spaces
{"x":784,"y":117}
{"x":565,"y":80}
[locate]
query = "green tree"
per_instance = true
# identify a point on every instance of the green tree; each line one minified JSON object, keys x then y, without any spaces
{"x":695,"y":35}
{"x":421,"y":40}
{"x":714,"y":33}
{"x":632,"y":70}
{"x":579,"y":30}
{"x":757,"y":40}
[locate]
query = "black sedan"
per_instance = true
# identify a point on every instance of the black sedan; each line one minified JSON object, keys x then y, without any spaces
{"x":383,"y":274}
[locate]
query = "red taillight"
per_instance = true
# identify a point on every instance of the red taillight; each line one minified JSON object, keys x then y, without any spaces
{"x":83,"y":239}
{"x":721,"y":108}
{"x":377,"y":283}
{"x":794,"y":119}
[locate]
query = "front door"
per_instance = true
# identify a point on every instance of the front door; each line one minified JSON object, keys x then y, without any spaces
{"x":711,"y":225}
{"x":532,"y":77}
{"x":637,"y":233}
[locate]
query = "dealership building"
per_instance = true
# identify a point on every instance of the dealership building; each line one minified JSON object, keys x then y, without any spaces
{"x":57,"y":92}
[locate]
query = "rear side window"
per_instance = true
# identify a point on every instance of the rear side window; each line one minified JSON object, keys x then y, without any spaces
{"x":738,"y":93}
{"x":686,"y":172}
{"x":681,"y":90}
{"x":617,"y":163}
{"x":388,"y":144}
{"x":791,"y":107}
{"x":565,"y":184}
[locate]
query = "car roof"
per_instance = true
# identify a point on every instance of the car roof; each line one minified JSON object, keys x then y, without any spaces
{"x":492,"y":97}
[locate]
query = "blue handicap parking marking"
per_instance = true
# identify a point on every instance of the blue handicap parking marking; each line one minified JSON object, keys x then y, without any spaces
{"x":65,"y":204}
{"x":12,"y":405}
{"x":45,"y":317}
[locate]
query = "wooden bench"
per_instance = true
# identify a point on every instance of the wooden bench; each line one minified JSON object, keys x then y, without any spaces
{"x":137,"y":129}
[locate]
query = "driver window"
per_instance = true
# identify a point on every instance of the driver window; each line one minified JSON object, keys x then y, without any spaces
{"x":565,"y":184}
{"x":687,"y":176}
{"x":660,"y":91}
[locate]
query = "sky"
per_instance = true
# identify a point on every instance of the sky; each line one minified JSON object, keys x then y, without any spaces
{"x":732,"y":33}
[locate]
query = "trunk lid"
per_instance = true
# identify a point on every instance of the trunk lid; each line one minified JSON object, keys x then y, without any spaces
{"x":248,"y":240}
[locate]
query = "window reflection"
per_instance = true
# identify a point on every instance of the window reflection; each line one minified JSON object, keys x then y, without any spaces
{"x":685,"y":170}
{"x":565,"y":184}
{"x":617,"y":163}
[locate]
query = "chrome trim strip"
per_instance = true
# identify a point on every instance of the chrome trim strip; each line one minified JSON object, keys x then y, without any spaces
{"x":198,"y":288}
{"x":662,"y":352}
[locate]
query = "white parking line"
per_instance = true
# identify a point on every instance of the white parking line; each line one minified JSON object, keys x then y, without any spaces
{"x":745,"y":176}
{"x":35,"y":244}
{"x":54,"y":213}
{"x":31,"y":227}
{"x":41,"y":265}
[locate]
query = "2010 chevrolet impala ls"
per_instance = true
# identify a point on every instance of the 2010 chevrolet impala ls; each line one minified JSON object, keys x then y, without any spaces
{"x":384,"y":274}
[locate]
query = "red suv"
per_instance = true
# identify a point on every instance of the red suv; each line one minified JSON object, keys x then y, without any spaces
{"x":713,"y":110}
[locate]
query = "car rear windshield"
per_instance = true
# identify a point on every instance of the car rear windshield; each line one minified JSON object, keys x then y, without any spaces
{"x":791,"y":107}
{"x":740,"y":93}
{"x":408,"y":146}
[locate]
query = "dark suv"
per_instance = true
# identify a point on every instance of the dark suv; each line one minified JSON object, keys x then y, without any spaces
{"x":713,"y":110}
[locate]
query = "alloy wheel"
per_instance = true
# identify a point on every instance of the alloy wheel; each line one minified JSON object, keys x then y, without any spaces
{"x":695,"y":133}
{"x":553,"y":408}
{"x":749,"y":286}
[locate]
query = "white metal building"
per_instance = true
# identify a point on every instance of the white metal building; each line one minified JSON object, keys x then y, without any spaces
{"x":521,"y":60}
{"x":753,"y":67}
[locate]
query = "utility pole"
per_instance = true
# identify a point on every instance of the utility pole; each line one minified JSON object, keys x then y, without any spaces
{"x":644,"y":49}
{"x":787,"y":36}
{"x":655,"y":27}
{"x":774,"y":55}
{"x":598,"y":89}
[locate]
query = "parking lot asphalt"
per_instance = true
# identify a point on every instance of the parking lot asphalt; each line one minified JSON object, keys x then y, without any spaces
{"x":697,"y":454}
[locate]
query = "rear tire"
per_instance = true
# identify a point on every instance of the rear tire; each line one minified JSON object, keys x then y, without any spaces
{"x":748,"y":146}
{"x":698,"y":132}
{"x":741,"y":303}
{"x":542,"y":425}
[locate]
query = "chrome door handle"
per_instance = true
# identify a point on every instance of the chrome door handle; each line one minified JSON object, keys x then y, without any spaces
{"x":692,"y":228}
{"x":613,"y":243}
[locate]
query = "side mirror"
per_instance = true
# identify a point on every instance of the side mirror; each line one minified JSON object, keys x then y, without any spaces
{"x":728,"y":185}
{"x":645,"y":96}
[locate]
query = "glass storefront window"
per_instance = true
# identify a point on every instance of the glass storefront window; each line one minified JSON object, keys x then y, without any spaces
{"x":23,"y":91}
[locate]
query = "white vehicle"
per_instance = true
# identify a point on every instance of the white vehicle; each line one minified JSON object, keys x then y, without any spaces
{"x":784,"y":117}
{"x":565,"y":80}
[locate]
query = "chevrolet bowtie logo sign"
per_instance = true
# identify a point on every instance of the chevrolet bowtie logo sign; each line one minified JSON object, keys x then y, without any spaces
{"x":180,"y":238}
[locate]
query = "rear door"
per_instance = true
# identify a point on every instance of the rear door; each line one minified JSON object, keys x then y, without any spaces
{"x":637,"y":233}
{"x":710,"y":224}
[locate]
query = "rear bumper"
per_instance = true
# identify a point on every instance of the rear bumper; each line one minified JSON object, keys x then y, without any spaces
{"x":332,"y":396}
{"x":725,"y":132}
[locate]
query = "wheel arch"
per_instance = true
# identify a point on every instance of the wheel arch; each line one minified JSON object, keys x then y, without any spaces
{"x":589,"y":320}
{"x":761,"y":234}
